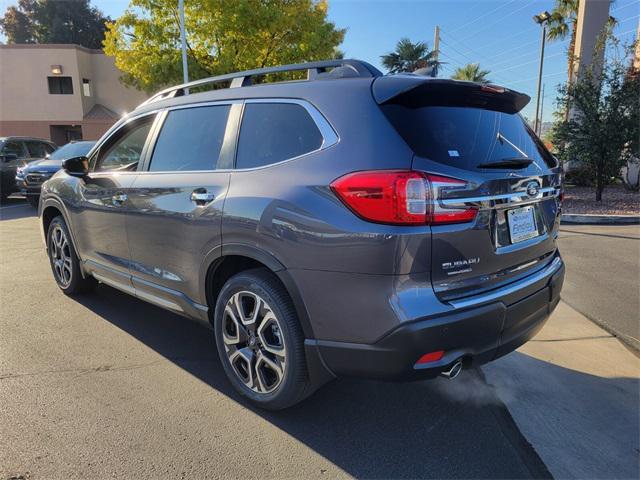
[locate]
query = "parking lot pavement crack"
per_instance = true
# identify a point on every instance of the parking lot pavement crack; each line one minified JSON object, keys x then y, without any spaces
{"x":103,"y":368}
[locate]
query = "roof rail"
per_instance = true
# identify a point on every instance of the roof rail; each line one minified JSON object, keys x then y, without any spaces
{"x":243,"y":79}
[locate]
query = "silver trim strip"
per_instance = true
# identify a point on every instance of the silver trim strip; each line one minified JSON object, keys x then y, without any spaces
{"x":114,"y":283}
{"x":519,"y":196}
{"x":547,"y":271}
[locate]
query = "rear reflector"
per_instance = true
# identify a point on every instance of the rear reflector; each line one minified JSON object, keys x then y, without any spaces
{"x":430,"y":357}
{"x":400,"y":197}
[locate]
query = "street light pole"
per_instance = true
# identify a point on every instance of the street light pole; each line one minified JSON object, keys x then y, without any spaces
{"x":185,"y":68}
{"x":436,"y":48}
{"x":540,"y":19}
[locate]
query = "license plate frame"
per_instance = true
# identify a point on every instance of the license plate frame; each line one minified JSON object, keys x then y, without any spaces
{"x":522,"y":224}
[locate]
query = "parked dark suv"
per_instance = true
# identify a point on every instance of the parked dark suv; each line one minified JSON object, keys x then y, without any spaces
{"x":16,"y":152}
{"x":31,"y":176}
{"x":390,"y":227}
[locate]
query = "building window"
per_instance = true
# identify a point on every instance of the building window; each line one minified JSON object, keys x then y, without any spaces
{"x":86,"y":87}
{"x":60,"y":85}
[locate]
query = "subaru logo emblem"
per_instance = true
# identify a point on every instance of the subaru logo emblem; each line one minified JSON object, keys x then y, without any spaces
{"x":532,"y":189}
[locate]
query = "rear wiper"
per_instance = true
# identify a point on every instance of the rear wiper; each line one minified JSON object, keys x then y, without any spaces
{"x":516,"y":162}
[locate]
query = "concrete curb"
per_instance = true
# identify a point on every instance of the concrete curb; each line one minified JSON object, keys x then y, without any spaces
{"x":590,"y":219}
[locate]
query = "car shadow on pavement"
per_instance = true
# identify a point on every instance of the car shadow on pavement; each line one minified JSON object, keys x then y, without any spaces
{"x":432,"y":429}
{"x":15,"y":208}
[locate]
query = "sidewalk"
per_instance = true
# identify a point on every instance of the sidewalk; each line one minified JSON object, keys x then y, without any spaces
{"x":574,"y":393}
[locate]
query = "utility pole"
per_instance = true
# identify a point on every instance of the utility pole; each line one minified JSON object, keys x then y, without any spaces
{"x":541,"y":110}
{"x":542,"y":20}
{"x":436,"y":48}
{"x":185,"y":68}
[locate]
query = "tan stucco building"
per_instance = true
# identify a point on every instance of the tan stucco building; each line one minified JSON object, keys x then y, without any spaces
{"x":60,"y":92}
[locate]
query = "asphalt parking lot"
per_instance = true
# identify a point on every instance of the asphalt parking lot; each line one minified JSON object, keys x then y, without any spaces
{"x":105,"y":385}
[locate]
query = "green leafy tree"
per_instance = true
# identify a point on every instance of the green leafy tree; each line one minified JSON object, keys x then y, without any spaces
{"x":409,"y":57}
{"x":222,"y":36}
{"x":54,"y":21}
{"x":602,"y":130}
{"x":472,"y":73}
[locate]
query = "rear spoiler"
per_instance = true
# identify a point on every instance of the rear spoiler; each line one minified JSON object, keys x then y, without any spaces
{"x":416,"y":91}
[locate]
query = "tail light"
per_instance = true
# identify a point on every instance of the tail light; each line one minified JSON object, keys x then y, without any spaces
{"x":400,"y":197}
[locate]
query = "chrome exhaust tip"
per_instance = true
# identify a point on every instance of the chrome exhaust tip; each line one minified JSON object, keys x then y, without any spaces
{"x":454,"y":371}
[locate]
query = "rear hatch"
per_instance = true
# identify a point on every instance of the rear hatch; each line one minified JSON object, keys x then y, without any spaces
{"x":494,"y":184}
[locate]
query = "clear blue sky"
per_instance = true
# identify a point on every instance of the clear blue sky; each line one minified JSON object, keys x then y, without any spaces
{"x":500,"y":34}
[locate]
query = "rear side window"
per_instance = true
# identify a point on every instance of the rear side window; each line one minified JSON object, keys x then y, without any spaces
{"x":273,"y":132}
{"x":190,"y":139}
{"x":13,"y":148}
{"x":466,"y":137}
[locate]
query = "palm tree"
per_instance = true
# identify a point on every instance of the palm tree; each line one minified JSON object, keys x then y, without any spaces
{"x":471,"y":72}
{"x":409,"y":57}
{"x":563,"y":22}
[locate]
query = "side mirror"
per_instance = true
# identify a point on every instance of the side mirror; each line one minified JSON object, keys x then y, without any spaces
{"x":76,"y":166}
{"x":8,"y":157}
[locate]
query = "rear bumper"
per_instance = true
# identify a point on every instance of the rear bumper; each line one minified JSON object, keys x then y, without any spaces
{"x":475,"y":333}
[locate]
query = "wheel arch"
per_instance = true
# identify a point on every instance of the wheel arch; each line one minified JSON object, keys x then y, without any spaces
{"x":50,"y":209}
{"x":224,"y":262}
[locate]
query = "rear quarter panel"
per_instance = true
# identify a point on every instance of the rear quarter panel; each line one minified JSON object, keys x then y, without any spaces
{"x":290,"y":211}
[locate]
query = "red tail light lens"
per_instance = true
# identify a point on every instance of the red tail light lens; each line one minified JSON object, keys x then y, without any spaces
{"x":400,"y":197}
{"x":430,"y":357}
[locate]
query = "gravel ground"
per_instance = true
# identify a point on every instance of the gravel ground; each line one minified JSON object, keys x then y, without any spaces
{"x":615,"y":201}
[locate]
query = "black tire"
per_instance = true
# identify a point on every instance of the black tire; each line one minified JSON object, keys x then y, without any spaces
{"x":33,"y":200}
{"x":294,"y":384}
{"x":70,"y":281}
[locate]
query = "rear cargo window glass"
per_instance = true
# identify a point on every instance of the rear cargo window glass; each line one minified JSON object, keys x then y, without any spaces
{"x":273,"y":132}
{"x":190,"y":139}
{"x":466,"y":137}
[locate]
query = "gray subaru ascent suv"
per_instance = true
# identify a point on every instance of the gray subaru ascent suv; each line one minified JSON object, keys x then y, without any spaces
{"x":350,"y":223}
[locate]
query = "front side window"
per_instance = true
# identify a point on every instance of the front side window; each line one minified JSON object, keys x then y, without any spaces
{"x":124,"y":152}
{"x":190,"y":139}
{"x":273,"y":132}
{"x":60,"y":85}
{"x":36,"y":149}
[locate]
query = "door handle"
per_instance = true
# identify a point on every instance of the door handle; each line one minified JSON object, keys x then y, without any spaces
{"x":201,"y":197}
{"x":118,"y":199}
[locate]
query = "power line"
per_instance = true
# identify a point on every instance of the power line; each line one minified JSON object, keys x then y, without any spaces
{"x":535,"y":78}
{"x":532,"y":61}
{"x":527,"y":5}
{"x":627,"y":19}
{"x":482,"y":16}
{"x":525,"y":55}
{"x":465,"y":56}
{"x":506,"y":39}
{"x":625,"y":6}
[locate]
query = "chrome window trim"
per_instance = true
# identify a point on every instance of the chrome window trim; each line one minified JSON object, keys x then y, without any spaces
{"x":328,"y":133}
{"x":119,"y":125}
{"x":163,"y":116}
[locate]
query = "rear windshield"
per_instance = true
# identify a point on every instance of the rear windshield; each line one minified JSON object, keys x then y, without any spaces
{"x":466,"y":137}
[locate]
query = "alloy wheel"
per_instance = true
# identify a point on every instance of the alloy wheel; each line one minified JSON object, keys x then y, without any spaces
{"x":60,"y":254}
{"x":253,"y":342}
